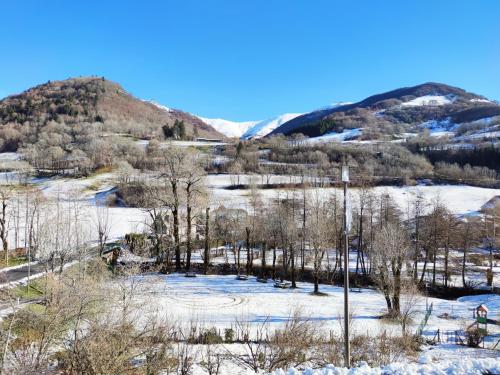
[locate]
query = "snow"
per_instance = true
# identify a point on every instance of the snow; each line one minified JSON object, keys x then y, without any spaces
{"x":265,"y":127}
{"x":126,"y":219}
{"x":433,"y":100}
{"x":439,"y":128}
{"x":232,"y":129}
{"x":332,"y":106}
{"x":145,"y":142}
{"x":459,"y":366}
{"x":248,"y":129}
{"x":162,"y":107}
{"x":451,"y":195}
{"x":9,"y":156}
{"x":220,"y":300}
{"x":347,"y":134}
{"x":476,"y":100}
{"x":480,"y":135}
{"x":492,"y":301}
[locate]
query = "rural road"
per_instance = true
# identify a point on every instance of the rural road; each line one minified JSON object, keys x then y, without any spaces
{"x":17,"y":274}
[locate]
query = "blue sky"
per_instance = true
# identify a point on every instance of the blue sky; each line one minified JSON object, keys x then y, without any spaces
{"x":247,"y":60}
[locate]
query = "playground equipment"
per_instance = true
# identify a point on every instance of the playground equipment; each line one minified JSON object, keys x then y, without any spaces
{"x":481,"y":315}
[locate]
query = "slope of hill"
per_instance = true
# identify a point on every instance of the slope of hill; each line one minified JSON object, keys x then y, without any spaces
{"x":78,"y":102}
{"x":404,"y":107}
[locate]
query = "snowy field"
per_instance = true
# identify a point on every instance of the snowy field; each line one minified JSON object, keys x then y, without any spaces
{"x":145,"y":142}
{"x":460,"y":199}
{"x":467,"y":363}
{"x":220,"y":301}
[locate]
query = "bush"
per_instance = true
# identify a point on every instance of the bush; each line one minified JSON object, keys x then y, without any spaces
{"x":473,"y":337}
{"x":229,"y":335}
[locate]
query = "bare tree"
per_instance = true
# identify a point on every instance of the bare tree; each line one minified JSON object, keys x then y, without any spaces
{"x":391,"y":249}
{"x":102,"y":225}
{"x":5,"y":195}
{"x":193,"y":179}
{"x":318,"y":234}
{"x":410,"y":299}
{"x":173,"y":171}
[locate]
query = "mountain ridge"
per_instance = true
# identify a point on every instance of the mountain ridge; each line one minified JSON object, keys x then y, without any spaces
{"x":396,"y":107}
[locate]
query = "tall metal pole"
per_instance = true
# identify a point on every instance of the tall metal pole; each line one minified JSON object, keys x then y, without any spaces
{"x":347,"y":351}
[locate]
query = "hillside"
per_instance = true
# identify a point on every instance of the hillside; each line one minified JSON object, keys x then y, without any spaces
{"x":80,"y":105}
{"x":396,"y":110}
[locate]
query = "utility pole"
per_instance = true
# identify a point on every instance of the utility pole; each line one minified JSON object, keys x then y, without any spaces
{"x":206,"y":255}
{"x":347,"y":352}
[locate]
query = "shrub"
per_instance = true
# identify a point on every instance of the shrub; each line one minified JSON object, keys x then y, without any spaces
{"x":473,"y":337}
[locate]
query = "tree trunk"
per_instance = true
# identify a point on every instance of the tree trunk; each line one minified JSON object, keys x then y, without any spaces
{"x":274,"y":263}
{"x":446,"y":256}
{"x":188,"y":232}
{"x":292,"y":258}
{"x":425,"y":265}
{"x":175,"y":214}
{"x":3,"y":231}
{"x":417,"y":248}
{"x":464,"y":283}
{"x":263,"y":261}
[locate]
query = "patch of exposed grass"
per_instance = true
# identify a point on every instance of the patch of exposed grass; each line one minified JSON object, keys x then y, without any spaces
{"x":102,"y":170}
{"x":14,"y":261}
{"x":34,"y":289}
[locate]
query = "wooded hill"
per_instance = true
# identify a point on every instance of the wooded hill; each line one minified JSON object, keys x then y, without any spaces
{"x":77,"y":107}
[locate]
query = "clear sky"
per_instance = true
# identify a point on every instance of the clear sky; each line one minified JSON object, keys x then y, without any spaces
{"x":250,"y":60}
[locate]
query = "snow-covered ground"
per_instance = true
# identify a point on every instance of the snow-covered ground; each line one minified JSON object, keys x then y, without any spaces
{"x":346,"y":135}
{"x":461,"y":199}
{"x":220,"y":301}
{"x":451,"y":195}
{"x":468,"y":364}
{"x":439,"y":128}
{"x":145,"y":142}
{"x":9,"y":156}
{"x":429,"y":100}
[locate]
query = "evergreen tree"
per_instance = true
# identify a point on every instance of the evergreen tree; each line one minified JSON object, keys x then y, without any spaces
{"x":182,"y":130}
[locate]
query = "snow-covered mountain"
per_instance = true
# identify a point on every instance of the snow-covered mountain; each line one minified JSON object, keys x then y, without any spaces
{"x":405,"y":106}
{"x":232,"y":129}
{"x":248,"y":129}
{"x":263,"y":128}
